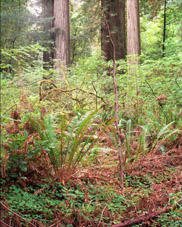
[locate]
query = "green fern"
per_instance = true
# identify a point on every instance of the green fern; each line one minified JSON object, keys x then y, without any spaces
{"x":70,"y":144}
{"x":50,"y":136}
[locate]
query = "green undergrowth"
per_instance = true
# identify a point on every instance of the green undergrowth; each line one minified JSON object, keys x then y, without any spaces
{"x":92,"y":202}
{"x":49,"y":137}
{"x":73,"y":203}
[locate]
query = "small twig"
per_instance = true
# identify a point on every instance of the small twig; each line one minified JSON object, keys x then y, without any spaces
{"x":40,"y":90}
{"x":2,"y":117}
{"x":91,"y":93}
{"x":176,"y":81}
{"x":164,"y":82}
{"x":20,"y":86}
{"x":101,"y":216}
{"x":47,"y":81}
{"x":2,"y":204}
{"x":159,"y":157}
{"x":46,"y":95}
{"x":63,"y":91}
{"x":5,"y":223}
{"x":95,"y":93}
{"x":151,"y":88}
{"x":56,"y":223}
{"x":9,"y":109}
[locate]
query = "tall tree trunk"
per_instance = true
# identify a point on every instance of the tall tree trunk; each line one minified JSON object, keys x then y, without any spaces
{"x":133,"y":28}
{"x":133,"y":51}
{"x":164,"y":29}
{"x":62,"y":32}
{"x":48,"y":14}
{"x":114,"y":15}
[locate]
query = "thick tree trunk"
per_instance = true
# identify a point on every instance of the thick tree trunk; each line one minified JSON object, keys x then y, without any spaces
{"x":114,"y":16}
{"x":133,"y":28}
{"x":62,"y":32}
{"x":48,"y":14}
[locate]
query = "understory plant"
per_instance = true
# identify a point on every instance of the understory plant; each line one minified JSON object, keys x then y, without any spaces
{"x":71,"y":143}
{"x":57,"y":142}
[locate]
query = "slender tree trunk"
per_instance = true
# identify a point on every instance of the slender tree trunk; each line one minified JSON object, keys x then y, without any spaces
{"x":48,"y":14}
{"x":116,"y":108}
{"x":62,"y":32}
{"x":164,"y":29}
{"x":114,"y":12}
{"x":133,"y":28}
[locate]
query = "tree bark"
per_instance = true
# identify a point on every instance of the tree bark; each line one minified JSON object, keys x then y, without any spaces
{"x":114,"y":11}
{"x":133,"y":51}
{"x":62,"y":32}
{"x":133,"y":28}
{"x":48,"y":13}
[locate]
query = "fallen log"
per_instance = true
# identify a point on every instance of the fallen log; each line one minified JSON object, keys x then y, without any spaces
{"x":146,"y":217}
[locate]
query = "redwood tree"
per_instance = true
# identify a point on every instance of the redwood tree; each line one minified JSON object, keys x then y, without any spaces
{"x":133,"y":28}
{"x":62,"y":32}
{"x":133,"y":48}
{"x":48,"y":14}
{"x":113,"y":12}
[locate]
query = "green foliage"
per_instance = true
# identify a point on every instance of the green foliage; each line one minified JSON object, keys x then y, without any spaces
{"x":174,"y":218}
{"x":16,"y":21}
{"x":85,"y":25}
{"x":71,"y":145}
{"x":51,"y":145}
{"x":136,"y":181}
{"x":49,"y":199}
{"x":65,"y":149}
{"x":162,"y":77}
{"x":165,"y":133}
{"x":94,"y":76}
{"x":152,"y":29}
{"x":38,"y":207}
{"x":14,"y":61}
{"x":151,"y":36}
{"x":80,"y":38}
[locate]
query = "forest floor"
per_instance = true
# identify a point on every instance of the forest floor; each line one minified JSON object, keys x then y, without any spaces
{"x":152,"y":186}
{"x":94,"y":197}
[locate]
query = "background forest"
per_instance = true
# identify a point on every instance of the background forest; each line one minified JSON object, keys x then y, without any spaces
{"x":91,"y":113}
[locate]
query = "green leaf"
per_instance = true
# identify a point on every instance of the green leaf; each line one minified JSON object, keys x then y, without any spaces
{"x":13,"y":175}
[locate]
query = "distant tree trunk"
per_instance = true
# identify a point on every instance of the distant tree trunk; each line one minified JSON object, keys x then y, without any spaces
{"x":114,"y":14}
{"x":133,"y":51}
{"x":133,"y":28}
{"x":48,"y":14}
{"x":164,"y":29}
{"x":62,"y":32}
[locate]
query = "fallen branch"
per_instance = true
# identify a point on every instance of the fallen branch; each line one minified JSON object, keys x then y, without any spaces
{"x":101,"y":215}
{"x":163,"y":156}
{"x":56,"y":224}
{"x":4,"y":223}
{"x":63,"y":91}
{"x":6,"y":208}
{"x":147,"y":217}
